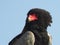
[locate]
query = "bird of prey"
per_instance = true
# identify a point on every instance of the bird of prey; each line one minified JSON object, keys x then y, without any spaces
{"x":35,"y":29}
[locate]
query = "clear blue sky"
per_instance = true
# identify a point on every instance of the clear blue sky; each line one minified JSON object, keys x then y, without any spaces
{"x":13,"y":15}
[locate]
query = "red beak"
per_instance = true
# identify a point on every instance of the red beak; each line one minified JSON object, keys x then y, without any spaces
{"x":32,"y":17}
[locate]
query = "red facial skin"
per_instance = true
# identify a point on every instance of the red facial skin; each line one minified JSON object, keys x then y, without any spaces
{"x":32,"y":17}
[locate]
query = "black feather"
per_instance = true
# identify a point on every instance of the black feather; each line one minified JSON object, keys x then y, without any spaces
{"x":38,"y":27}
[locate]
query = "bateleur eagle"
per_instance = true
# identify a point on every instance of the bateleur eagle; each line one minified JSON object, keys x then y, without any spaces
{"x":35,"y":29}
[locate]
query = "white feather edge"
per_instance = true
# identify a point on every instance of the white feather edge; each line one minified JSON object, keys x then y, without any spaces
{"x":50,"y":39}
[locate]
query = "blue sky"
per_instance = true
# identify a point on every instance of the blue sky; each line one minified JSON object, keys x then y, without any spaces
{"x":13,"y":15}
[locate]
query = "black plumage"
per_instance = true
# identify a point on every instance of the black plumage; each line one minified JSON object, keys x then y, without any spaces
{"x":38,"y":27}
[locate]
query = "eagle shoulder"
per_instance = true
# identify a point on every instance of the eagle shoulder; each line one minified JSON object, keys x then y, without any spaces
{"x":26,"y":39}
{"x":50,"y":39}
